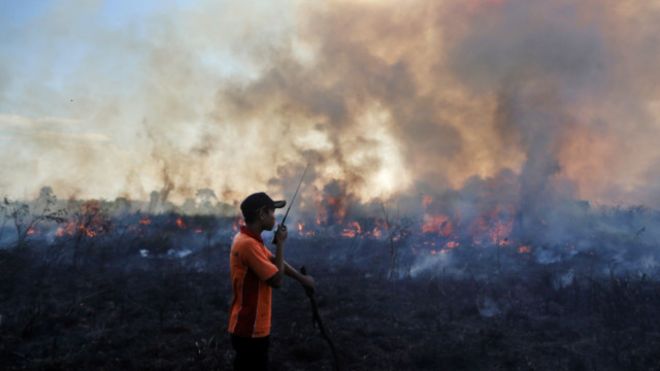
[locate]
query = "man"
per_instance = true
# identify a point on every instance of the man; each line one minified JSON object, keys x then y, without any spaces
{"x":254,"y":272}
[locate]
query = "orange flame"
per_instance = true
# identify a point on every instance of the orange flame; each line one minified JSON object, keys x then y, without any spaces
{"x":452,"y":244}
{"x":352,"y":231}
{"x":180,"y":223}
{"x":439,"y":223}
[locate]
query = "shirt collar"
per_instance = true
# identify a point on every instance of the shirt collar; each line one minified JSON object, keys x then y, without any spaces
{"x":248,"y":232}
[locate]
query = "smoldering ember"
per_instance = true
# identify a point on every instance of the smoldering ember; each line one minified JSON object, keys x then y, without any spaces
{"x":479,"y":187}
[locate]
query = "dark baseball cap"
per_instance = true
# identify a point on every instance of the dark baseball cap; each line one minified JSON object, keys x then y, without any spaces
{"x":258,"y":200}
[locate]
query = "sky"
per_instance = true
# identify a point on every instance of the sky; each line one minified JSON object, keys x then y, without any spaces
{"x":105,"y":99}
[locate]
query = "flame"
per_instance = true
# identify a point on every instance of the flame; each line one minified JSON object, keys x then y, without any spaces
{"x":89,"y":222}
{"x":71,"y":227}
{"x":145,"y":220}
{"x":354,"y":229}
{"x":300,"y":226}
{"x":499,"y":234}
{"x":452,"y":244}
{"x":331,"y":210}
{"x":493,"y":227}
{"x":31,"y":231}
{"x":180,"y":223}
{"x":440,"y":224}
{"x":348,"y":233}
{"x":524,"y":249}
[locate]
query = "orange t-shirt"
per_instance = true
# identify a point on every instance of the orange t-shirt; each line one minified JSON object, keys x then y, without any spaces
{"x":250,"y":268}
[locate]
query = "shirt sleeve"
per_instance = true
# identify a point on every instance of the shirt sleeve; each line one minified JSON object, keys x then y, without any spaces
{"x":257,"y":259}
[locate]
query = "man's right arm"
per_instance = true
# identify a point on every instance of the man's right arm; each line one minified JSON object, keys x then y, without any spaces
{"x":280,"y":236}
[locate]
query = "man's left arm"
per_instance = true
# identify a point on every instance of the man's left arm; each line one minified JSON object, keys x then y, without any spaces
{"x":304,"y":280}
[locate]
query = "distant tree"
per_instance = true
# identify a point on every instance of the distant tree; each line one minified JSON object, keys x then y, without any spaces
{"x":225,"y":209}
{"x":206,"y":199}
{"x":398,"y":230}
{"x":154,"y":202}
{"x":27,"y":217}
{"x":121,"y":206}
{"x":189,"y":206}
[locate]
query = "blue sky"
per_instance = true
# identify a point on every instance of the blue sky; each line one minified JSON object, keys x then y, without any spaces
{"x":45,"y":42}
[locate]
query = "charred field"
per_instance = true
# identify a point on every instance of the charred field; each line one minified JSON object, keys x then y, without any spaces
{"x":152,"y":292}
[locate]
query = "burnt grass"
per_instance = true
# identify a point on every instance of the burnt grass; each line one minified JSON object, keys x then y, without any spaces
{"x":112,"y":312}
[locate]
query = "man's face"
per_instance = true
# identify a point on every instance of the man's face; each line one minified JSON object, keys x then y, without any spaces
{"x":268,"y":219}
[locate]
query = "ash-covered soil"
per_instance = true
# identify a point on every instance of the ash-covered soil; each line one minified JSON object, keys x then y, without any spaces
{"x":114,"y":313}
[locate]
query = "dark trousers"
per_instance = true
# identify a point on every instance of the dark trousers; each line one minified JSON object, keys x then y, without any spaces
{"x":251,"y":353}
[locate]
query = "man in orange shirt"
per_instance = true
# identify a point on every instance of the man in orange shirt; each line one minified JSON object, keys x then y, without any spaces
{"x":254,"y":272}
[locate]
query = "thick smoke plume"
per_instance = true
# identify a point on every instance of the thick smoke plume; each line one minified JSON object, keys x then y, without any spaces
{"x":385,"y":98}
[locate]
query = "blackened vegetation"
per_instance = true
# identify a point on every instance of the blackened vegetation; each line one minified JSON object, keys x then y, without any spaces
{"x":152,"y":292}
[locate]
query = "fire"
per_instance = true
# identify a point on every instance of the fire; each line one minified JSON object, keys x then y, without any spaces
{"x":524,"y":249}
{"x":352,"y":231}
{"x":493,"y":227}
{"x":440,"y":224}
{"x":452,"y":244}
{"x":31,"y":231}
{"x":499,"y":234}
{"x":331,"y":210}
{"x":180,"y":223}
{"x":145,"y":221}
{"x":89,"y":222}
{"x":348,"y":233}
{"x":71,"y":228}
{"x":300,"y":227}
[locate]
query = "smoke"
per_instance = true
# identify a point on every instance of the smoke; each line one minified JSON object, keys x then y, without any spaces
{"x":383,"y":98}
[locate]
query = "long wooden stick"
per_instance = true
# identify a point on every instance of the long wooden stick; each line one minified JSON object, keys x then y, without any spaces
{"x":317,"y":319}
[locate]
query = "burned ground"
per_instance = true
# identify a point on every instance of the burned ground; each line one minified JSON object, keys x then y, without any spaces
{"x":120,"y":310}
